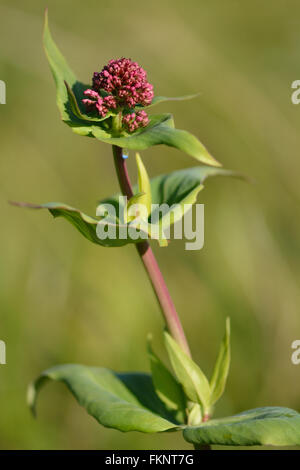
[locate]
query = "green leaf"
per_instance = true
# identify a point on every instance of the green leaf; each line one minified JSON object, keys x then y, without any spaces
{"x":189,"y":374}
{"x":261,"y":426}
{"x":172,"y":188}
{"x":160,"y":130}
{"x":87,"y":225}
{"x":221,"y":369}
{"x":69,"y":91}
{"x":144,"y":184}
{"x":126,"y":402}
{"x":182,"y":188}
{"x":166,"y":386}
{"x":60,"y":70}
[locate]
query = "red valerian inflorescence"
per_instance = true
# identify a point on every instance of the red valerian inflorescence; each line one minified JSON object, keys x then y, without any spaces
{"x":126,"y":86}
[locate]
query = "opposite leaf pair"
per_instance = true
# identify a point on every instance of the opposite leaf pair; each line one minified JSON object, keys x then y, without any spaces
{"x":176,"y":189}
{"x":173,"y":400}
{"x":136,"y":401}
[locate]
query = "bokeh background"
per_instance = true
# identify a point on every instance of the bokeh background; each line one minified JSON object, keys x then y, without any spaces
{"x":63,"y":299}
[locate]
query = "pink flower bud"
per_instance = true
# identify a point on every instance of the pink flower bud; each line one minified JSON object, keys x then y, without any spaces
{"x":126,"y":85}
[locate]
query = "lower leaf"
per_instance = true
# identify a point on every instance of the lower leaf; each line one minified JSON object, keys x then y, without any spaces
{"x":261,"y":426}
{"x":126,"y":402}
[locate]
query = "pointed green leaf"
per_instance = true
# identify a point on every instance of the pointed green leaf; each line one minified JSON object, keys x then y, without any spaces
{"x":144,"y":184}
{"x":87,"y":225}
{"x":126,"y":402}
{"x":166,"y":386}
{"x":188,"y":373}
{"x":69,"y":91}
{"x":273,"y":426}
{"x":177,"y":186}
{"x":60,"y":70}
{"x":221,"y":369}
{"x":173,"y":187}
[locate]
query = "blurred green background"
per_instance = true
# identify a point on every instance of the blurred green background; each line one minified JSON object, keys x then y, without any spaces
{"x":63,"y":299}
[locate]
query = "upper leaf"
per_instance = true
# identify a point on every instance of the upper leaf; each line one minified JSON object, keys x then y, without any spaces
{"x":61,"y":72}
{"x":172,"y":188}
{"x":178,"y":187}
{"x":69,"y":91}
{"x":261,"y":426}
{"x":160,"y":130}
{"x":189,"y":374}
{"x":69,"y":95}
{"x":126,"y":402}
{"x":221,"y":369}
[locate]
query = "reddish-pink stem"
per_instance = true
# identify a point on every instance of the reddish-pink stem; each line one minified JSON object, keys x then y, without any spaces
{"x":158,"y":283}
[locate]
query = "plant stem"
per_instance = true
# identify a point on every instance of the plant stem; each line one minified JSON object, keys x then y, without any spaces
{"x":158,"y":283}
{"x":151,"y":266}
{"x":116,"y":124}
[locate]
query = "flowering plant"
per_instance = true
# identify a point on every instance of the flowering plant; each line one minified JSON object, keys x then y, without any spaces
{"x":114,"y":110}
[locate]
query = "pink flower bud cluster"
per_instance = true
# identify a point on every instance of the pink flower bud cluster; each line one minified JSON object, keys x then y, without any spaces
{"x":127,"y":81}
{"x":96,"y":102}
{"x":133,"y":121}
{"x":127,"y":86}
